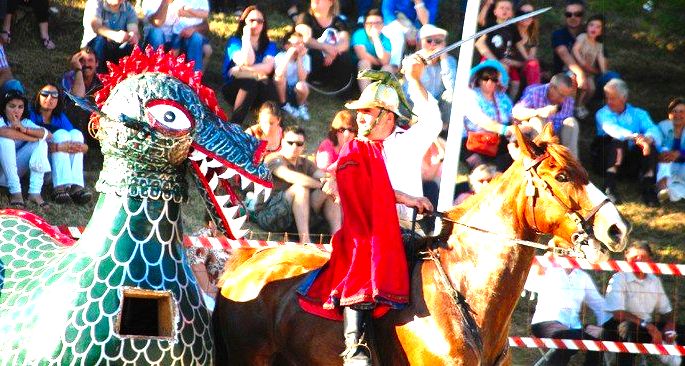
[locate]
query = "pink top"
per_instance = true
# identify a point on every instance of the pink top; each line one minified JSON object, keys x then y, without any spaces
{"x":326,"y":154}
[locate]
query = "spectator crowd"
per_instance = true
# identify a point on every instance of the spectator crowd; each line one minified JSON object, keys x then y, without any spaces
{"x":325,"y":47}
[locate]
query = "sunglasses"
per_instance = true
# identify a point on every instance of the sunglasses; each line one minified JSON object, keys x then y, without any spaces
{"x":494,"y":79}
{"x":435,"y":41}
{"x":343,"y":129}
{"x":45,"y":93}
{"x":577,"y":14}
{"x":297,"y":143}
{"x":258,"y":21}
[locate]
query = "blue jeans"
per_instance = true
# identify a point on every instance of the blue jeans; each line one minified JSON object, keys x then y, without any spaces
{"x":108,"y":50}
{"x":192,"y":47}
{"x":155,"y":37}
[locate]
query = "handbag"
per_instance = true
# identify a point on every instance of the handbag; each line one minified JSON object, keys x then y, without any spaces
{"x":39,"y":162}
{"x":482,"y":142}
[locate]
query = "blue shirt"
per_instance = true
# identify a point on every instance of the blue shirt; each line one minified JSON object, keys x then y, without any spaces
{"x":561,"y":37}
{"x":360,"y":38}
{"x":234,"y":45}
{"x":498,"y":110}
{"x":58,"y":122}
{"x":390,"y":8}
{"x":622,"y":126}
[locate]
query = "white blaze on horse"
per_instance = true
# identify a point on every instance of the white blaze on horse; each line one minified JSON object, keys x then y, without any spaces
{"x":545,"y":191}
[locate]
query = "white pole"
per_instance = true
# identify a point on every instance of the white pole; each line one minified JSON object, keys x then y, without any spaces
{"x":456,"y":126}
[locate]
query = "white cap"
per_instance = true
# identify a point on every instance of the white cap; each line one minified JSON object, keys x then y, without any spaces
{"x":431,"y":30}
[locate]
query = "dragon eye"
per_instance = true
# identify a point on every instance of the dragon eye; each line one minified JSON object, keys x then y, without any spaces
{"x":169,"y":116}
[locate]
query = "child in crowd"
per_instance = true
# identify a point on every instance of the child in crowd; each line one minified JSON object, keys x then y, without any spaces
{"x":292,"y":68}
{"x":268,"y":127}
{"x":529,"y":30}
{"x":589,"y":53}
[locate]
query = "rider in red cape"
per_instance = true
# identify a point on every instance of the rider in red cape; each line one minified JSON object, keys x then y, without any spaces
{"x":367,"y":271}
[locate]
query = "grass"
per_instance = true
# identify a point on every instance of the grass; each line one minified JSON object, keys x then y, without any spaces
{"x":652,"y":68}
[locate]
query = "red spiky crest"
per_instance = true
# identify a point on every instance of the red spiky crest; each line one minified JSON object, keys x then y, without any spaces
{"x":157,"y":61}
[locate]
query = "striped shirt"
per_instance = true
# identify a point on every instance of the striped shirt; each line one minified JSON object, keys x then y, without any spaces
{"x":3,"y":58}
{"x":535,"y":96}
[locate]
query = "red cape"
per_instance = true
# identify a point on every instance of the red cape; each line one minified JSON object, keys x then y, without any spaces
{"x":368,"y":263}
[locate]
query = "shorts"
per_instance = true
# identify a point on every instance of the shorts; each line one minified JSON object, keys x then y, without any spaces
{"x":276,"y":215}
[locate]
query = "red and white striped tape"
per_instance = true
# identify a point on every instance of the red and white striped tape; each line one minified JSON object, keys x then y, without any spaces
{"x":590,"y":345}
{"x":563,"y":262}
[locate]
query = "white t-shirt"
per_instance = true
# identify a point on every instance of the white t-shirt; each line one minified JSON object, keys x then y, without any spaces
{"x":184,"y":22}
{"x":150,"y":7}
{"x":639,"y":297}
{"x":291,"y":70}
{"x":24,"y":122}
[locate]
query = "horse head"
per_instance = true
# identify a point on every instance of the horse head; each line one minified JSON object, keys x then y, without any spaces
{"x":564,"y":203}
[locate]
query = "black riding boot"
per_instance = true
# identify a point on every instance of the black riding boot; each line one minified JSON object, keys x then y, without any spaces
{"x":357,"y":352}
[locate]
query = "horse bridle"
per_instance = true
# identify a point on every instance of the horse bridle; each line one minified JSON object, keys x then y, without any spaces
{"x":584,"y":232}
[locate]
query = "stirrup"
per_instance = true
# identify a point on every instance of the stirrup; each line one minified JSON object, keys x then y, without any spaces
{"x":357,"y":354}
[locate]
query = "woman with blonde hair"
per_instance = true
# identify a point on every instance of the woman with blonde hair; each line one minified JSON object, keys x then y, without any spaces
{"x":529,"y":30}
{"x":343,"y":129}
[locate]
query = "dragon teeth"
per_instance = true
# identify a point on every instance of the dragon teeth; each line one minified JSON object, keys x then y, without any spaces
{"x":214,"y":163}
{"x":229,"y":212}
{"x":203,"y":167}
{"x":228,"y":173}
{"x":267,"y":193}
{"x":197,"y":155}
{"x":221,"y":200}
{"x":213,"y":182}
{"x":257,"y":188}
{"x":237,"y":223}
{"x":239,"y":233}
{"x":244,"y":182}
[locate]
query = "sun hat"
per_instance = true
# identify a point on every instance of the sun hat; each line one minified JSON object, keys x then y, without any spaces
{"x":503,"y":75}
{"x":378,"y":95}
{"x":430,"y":30}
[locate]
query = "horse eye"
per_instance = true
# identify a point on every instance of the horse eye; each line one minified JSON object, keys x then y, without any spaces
{"x":561,"y":177}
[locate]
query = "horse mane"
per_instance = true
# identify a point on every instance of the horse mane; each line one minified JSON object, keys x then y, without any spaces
{"x":562,"y":156}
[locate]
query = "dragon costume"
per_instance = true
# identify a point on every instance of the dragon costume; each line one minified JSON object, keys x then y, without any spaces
{"x":124,"y":293}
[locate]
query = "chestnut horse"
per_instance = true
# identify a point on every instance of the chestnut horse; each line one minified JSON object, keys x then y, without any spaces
{"x":545,"y":191}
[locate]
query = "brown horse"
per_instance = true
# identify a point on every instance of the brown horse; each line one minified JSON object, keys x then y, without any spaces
{"x":545,"y":191}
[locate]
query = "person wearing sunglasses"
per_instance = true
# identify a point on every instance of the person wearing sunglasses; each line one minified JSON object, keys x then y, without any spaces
{"x":343,"y":130}
{"x":66,"y":147}
{"x":564,"y":38}
{"x":297,"y":196}
{"x":371,"y":46}
{"x":438,"y":76}
{"x":19,"y":140}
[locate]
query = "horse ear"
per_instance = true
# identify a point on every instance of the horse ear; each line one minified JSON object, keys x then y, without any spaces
{"x":547,"y":132}
{"x":524,"y":144}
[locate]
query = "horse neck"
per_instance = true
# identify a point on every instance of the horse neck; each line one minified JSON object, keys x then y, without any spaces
{"x":121,"y":225}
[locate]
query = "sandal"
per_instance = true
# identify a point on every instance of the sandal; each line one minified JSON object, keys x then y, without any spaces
{"x":60,"y":196}
{"x":17,"y":200}
{"x":80,"y":195}
{"x":48,"y":43}
{"x":38,"y":200}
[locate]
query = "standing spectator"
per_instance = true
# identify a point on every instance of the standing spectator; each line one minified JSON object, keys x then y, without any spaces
{"x":625,"y":141}
{"x":297,"y":190}
{"x":561,"y":295}
{"x":66,"y":146}
{"x":328,"y":41}
{"x":161,"y":17}
{"x":268,"y":127}
{"x":371,"y":46}
{"x":501,"y":44}
{"x":439,"y":74}
{"x":632,"y":299}
{"x":7,"y":80}
{"x":248,"y":64}
{"x":552,"y":102}
{"x":110,"y":28}
{"x":41,"y":12}
{"x":488,"y":109}
{"x":343,"y":129}
{"x":292,"y":68}
{"x":19,"y":139}
{"x":564,"y":38}
{"x":402,"y":20}
{"x":529,"y":30}
{"x":589,"y":53}
{"x":671,"y":167}
{"x":82,"y":81}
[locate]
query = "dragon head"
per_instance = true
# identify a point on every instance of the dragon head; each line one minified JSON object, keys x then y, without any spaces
{"x":154,"y":120}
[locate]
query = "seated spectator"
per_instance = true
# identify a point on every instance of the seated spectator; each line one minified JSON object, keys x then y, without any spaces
{"x":207,"y":264}
{"x":501,"y":44}
{"x":7,"y":80}
{"x":438,"y":76}
{"x":561,"y":295}
{"x":529,"y":30}
{"x":66,"y":146}
{"x":248,"y":65}
{"x":292,"y":68}
{"x":625,"y":143}
{"x":670,"y":174}
{"x":589,"y":53}
{"x":371,"y":47}
{"x":175,"y":26}
{"x":632,"y":299}
{"x":19,"y":140}
{"x":564,"y":38}
{"x":40,"y":11}
{"x":402,"y":20}
{"x":488,"y":109}
{"x":268,"y":127}
{"x":82,"y":81}
{"x":480,"y":176}
{"x":110,"y":29}
{"x":326,"y":37}
{"x":343,"y":129}
{"x":551,"y":102}
{"x":297,"y":194}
